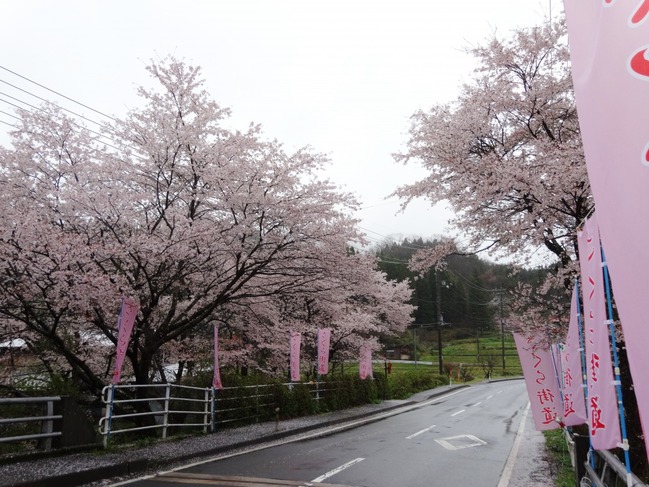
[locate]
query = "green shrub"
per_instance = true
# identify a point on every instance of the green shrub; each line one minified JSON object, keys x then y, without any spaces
{"x":555,"y":445}
{"x":405,"y":384}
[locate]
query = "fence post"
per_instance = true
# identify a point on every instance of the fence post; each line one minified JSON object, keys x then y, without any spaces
{"x":206,"y":410}
{"x":213,"y":408}
{"x":48,"y":424}
{"x":109,"y":405}
{"x":256,"y":403}
{"x":166,"y":412}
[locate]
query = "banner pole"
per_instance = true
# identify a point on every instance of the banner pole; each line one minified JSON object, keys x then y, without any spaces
{"x":584,"y":382}
{"x":317,"y":367}
{"x":616,"y":365}
{"x":558,"y":372}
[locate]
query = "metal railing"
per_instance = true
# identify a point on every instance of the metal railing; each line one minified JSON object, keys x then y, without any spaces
{"x":132,"y":408}
{"x":609,"y":471}
{"x":154,"y":406}
{"x":45,"y":418}
{"x":601,"y":468}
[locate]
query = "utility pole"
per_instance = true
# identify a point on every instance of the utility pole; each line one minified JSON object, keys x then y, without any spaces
{"x":502,"y":328}
{"x":440,"y":320}
{"x":414,"y":344}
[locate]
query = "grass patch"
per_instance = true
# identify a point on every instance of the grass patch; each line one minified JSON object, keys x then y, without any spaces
{"x":483,"y":354}
{"x":559,"y":457}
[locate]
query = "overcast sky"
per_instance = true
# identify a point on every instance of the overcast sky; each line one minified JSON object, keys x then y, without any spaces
{"x":341,"y":76}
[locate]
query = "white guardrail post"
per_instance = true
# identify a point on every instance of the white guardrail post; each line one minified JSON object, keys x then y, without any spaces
{"x":110,"y":391}
{"x":213,"y":410}
{"x":48,"y":424}
{"x":206,"y":410}
{"x":166,"y":410}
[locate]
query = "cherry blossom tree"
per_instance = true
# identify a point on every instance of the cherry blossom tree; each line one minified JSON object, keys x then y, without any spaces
{"x":198,"y":223}
{"x":507,"y":155}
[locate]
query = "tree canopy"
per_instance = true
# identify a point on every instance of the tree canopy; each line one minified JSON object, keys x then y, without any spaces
{"x":506,"y":154}
{"x":198,"y":223}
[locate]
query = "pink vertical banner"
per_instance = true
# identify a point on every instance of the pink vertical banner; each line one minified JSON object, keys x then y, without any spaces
{"x":296,"y":339}
{"x":541,"y":382}
{"x":216,"y":381}
{"x":572,"y":379}
{"x":365,"y":369}
{"x":610,"y":68}
{"x":125,"y":323}
{"x":324,"y":341}
{"x":602,"y":398}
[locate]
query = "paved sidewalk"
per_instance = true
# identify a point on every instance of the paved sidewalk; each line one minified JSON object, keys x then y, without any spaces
{"x":104,"y":468}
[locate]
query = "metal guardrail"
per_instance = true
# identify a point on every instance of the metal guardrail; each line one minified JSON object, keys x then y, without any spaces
{"x":603,"y":469}
{"x":160,"y":403}
{"x":46,"y":420}
{"x":609,"y":471}
{"x":131,"y":408}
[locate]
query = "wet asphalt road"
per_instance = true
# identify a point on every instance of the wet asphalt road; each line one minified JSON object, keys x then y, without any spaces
{"x":461,"y":439}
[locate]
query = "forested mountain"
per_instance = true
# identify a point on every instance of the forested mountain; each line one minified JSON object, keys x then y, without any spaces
{"x":469,"y":291}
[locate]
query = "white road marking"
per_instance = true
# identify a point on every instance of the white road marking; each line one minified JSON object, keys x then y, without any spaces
{"x":459,"y":412}
{"x":488,"y":398}
{"x":420,"y":432}
{"x":336,"y":470}
{"x":509,"y":466}
{"x":292,"y":439}
{"x":460,"y":442}
{"x":477,"y":403}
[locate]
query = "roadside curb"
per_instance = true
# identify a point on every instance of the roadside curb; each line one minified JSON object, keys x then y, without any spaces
{"x":504,"y":379}
{"x":140,"y":466}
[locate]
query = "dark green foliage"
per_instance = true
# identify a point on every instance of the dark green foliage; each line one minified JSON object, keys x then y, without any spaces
{"x":20,"y":429}
{"x":559,"y":458}
{"x":293,"y":401}
{"x":464,"y":291}
{"x":473,"y":295}
{"x":403,"y":385}
{"x":347,"y":391}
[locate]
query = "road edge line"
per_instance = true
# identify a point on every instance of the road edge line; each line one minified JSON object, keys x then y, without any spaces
{"x":509,"y":466}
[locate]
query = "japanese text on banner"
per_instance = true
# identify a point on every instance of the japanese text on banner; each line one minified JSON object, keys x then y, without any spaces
{"x":324,"y":341}
{"x":541,"y":382}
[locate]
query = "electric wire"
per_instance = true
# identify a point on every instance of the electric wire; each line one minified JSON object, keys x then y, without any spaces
{"x":10,"y":115}
{"x":49,"y":102}
{"x":72,"y":122}
{"x":111,"y":138}
{"x":112,"y":143}
{"x":57,"y":93}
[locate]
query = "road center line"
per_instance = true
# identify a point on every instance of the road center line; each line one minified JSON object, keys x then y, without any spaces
{"x":337,"y":470}
{"x":477,"y":403}
{"x":488,"y":398}
{"x":459,"y":412}
{"x":420,"y":432}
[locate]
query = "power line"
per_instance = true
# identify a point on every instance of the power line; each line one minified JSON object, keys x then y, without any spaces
{"x":57,"y":93}
{"x":41,"y":109}
{"x":10,"y":115}
{"x":72,"y":121}
{"x":46,"y":101}
{"x":469,"y":282}
{"x":10,"y":124}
